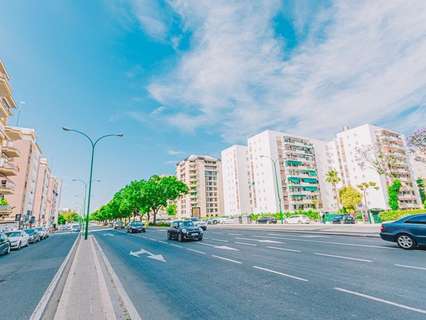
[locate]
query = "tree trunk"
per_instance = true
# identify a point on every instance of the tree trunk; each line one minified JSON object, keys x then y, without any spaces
{"x":154,"y":212}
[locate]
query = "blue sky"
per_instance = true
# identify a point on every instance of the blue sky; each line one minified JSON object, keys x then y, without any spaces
{"x":181,"y":77}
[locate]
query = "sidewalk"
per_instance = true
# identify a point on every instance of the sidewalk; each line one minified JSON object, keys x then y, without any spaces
{"x":360,"y":230}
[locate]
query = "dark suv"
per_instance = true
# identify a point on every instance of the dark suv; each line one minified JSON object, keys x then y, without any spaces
{"x":408,"y":232}
{"x":135,"y":226}
{"x":343,"y":219}
{"x":184,"y":230}
{"x":267,"y":220}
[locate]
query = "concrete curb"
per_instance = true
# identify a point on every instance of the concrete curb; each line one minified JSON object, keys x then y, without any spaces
{"x":127,"y":302}
{"x":46,"y":308}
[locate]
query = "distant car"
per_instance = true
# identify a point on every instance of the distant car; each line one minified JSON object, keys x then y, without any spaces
{"x":4,"y":244}
{"x":75,"y":227}
{"x":135,"y":226}
{"x":408,"y":232}
{"x":343,"y":219}
{"x":118,"y":224}
{"x":266,"y":220}
{"x":43,"y":232}
{"x":34,"y":236}
{"x":18,"y":239}
{"x":199,"y":223}
{"x":182,"y":230}
{"x":298,"y":219}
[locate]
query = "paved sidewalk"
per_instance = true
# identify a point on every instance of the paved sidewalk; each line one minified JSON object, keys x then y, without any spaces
{"x":85,"y":294}
{"x":366,"y":230}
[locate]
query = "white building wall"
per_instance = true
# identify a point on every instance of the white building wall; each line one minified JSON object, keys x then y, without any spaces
{"x":418,"y":164}
{"x":235,"y":180}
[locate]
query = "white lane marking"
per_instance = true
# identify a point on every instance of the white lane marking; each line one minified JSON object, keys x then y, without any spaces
{"x":246,"y":244}
{"x":329,"y":242}
{"x":163,"y":242}
{"x":226,"y":259}
{"x":341,"y":257}
{"x":280,"y":273}
{"x":150,"y":255}
{"x":152,"y":239}
{"x":381,"y":300}
{"x":220,"y":240}
{"x":409,"y":267}
{"x":175,"y":245}
{"x":197,"y":251}
{"x":235,"y":234}
{"x":284,"y":249}
{"x":219,"y":247}
{"x":246,"y":239}
{"x":108,"y":235}
{"x":261,"y":241}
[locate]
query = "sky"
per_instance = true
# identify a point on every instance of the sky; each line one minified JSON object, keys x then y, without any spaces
{"x":196,"y":76}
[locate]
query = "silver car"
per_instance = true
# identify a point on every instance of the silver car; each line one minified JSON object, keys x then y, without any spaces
{"x":18,"y":239}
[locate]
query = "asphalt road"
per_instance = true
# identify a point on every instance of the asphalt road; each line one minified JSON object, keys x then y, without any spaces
{"x":25,"y":274}
{"x":241,"y":274}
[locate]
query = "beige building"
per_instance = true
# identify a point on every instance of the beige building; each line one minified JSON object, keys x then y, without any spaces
{"x":203,"y":175}
{"x":42,"y":189}
{"x":8,"y":149}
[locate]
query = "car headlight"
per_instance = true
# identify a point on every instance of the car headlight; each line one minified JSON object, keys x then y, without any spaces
{"x":184,"y":231}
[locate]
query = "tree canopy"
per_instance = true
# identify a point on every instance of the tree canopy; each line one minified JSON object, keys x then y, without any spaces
{"x":350,"y":198}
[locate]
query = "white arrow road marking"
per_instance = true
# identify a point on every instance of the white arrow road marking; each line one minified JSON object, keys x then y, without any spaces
{"x":219,"y":247}
{"x":151,"y":255}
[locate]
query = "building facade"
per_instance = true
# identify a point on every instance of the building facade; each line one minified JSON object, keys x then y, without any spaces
{"x":203,"y":176}
{"x":418,"y":163}
{"x":235,"y":179}
{"x":41,"y":194}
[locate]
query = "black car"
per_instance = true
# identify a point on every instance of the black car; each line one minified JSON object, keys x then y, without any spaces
{"x":135,"y":226}
{"x":184,"y":230}
{"x":267,"y":220}
{"x":343,"y":219}
{"x":4,"y":244}
{"x":408,"y":232}
{"x":34,"y":235}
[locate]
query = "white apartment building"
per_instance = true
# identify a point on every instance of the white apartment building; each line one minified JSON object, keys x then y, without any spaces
{"x":344,"y":155}
{"x":284,"y":173}
{"x":418,"y":163}
{"x":203,"y":175}
{"x":236,"y":186}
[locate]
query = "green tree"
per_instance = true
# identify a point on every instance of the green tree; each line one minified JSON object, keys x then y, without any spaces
{"x":350,"y":198}
{"x":68,"y":216}
{"x":393,"y":191}
{"x":171,"y":209}
{"x":421,"y":186}
{"x":364,"y":187}
{"x":332,"y":177}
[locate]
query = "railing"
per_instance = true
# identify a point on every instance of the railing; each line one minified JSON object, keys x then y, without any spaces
{"x":7,"y":184}
{"x":7,"y":165}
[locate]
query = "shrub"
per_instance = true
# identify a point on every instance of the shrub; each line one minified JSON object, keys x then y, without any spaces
{"x":392,"y":215}
{"x":393,"y":191}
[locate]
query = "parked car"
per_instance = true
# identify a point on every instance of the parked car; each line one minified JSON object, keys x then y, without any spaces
{"x":4,"y":244}
{"x":343,"y":219}
{"x":43,"y":232}
{"x":118,"y":224}
{"x":298,"y":219}
{"x":18,"y":239}
{"x":34,"y":236}
{"x":181,"y":230}
{"x":199,"y":223}
{"x":135,"y":226}
{"x":213,"y":221}
{"x":75,"y":227}
{"x":267,"y":220}
{"x":408,"y":232}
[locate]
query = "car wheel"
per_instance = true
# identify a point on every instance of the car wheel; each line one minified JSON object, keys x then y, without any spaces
{"x":8,"y":250}
{"x":180,"y":238}
{"x":200,"y":238}
{"x":169,"y":236}
{"x":19,"y":246}
{"x":406,"y":242}
{"x":143,"y":230}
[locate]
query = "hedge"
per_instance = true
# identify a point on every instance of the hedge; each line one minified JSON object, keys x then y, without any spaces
{"x":392,"y":215}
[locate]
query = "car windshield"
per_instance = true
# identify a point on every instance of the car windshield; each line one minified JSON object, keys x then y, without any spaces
{"x":13,"y":234}
{"x":136,"y":224}
{"x":187,"y":224}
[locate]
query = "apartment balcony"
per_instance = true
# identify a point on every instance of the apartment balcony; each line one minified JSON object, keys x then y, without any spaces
{"x":10,"y":150}
{"x":6,"y":187}
{"x":5,"y":212}
{"x":13,"y":134}
{"x":7,"y":169}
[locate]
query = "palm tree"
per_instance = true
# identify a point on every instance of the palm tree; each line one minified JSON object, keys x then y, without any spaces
{"x":364,"y":187}
{"x":333,"y":178}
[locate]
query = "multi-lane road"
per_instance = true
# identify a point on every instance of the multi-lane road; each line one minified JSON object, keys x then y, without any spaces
{"x":25,"y":274}
{"x":248,"y":274}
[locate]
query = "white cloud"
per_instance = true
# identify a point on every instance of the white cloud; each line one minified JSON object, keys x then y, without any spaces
{"x":368,"y":66}
{"x":173,"y":152}
{"x":152,"y":17}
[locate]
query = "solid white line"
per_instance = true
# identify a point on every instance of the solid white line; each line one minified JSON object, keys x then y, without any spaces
{"x":246,"y":239}
{"x":341,"y":257}
{"x":284,"y":249}
{"x":206,"y":244}
{"x":163,"y":242}
{"x":409,"y":267}
{"x":220,"y":240}
{"x":175,"y":245}
{"x":227,"y":259}
{"x":235,"y":234}
{"x":197,"y":251}
{"x":381,"y":300}
{"x":280,"y":273}
{"x":246,"y":244}
{"x":41,"y":306}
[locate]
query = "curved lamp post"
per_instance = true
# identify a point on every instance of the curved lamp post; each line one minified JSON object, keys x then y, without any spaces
{"x":93,"y":144}
{"x":276,"y":185}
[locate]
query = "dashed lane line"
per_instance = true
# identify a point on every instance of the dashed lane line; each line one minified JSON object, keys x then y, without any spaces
{"x":226,"y":259}
{"x":362,"y":295}
{"x":409,"y":267}
{"x":246,"y":244}
{"x":219,"y":240}
{"x":196,"y":251}
{"x":280,"y":273}
{"x":341,"y":257}
{"x":283,"y":249}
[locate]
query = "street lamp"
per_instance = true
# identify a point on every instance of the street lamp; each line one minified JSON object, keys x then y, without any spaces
{"x":85,"y":190}
{"x":277,"y":186}
{"x":93,"y":144}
